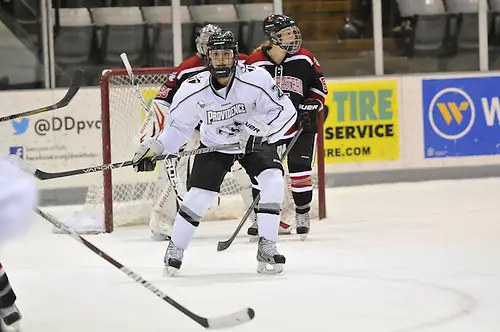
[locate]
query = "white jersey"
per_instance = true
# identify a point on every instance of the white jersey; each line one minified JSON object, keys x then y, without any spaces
{"x":252,"y":93}
{"x":18,"y":197}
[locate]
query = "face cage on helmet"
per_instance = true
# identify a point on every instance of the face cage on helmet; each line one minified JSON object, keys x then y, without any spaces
{"x":222,"y":72}
{"x":293,"y":46}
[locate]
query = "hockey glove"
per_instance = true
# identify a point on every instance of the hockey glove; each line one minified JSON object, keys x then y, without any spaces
{"x":253,"y":136}
{"x":307,"y":115}
{"x":142,"y":158}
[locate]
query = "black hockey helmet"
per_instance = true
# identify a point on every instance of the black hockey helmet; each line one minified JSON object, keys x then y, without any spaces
{"x":222,"y":54}
{"x":284,"y":32}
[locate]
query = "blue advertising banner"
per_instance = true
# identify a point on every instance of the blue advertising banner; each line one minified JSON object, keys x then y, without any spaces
{"x":461,"y":117}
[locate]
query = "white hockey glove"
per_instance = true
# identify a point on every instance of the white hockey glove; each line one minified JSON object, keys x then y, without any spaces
{"x":147,"y":150}
{"x":253,"y":135}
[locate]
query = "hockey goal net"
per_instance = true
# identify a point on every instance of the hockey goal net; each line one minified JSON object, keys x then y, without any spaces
{"x":126,"y":197}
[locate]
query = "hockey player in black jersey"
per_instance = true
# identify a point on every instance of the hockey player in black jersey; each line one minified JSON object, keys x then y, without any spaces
{"x":298,"y":73}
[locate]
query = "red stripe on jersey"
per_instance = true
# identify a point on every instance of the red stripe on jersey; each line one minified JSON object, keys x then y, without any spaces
{"x":317,"y":96}
{"x":189,"y":63}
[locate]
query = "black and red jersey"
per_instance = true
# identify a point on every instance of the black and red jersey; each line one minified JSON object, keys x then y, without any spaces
{"x":189,"y":67}
{"x":299,"y":75}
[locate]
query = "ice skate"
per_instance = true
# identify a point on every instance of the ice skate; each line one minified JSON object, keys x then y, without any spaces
{"x":253,"y":231}
{"x":11,"y":317}
{"x":270,"y":261}
{"x":173,"y":259}
{"x":303,"y":224}
{"x":159,"y":237}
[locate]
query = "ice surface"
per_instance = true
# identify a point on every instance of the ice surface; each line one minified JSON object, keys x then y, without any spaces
{"x":391,"y":258}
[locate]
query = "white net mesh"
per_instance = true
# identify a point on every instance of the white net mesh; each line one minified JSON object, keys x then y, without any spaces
{"x":134,"y":194}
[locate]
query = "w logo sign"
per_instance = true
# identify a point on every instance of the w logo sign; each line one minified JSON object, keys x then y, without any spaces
{"x":451,"y":111}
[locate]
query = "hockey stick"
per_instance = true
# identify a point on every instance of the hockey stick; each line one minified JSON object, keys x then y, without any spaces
{"x":135,"y":83}
{"x":234,"y":319}
{"x":223,"y":245}
{"x":171,"y":174}
{"x":47,"y":176}
{"x":73,"y":89}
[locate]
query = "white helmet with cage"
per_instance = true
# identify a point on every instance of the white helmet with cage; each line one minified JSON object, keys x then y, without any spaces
{"x":203,"y":37}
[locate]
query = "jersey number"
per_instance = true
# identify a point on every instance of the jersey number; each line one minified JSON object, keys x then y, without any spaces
{"x":278,"y":91}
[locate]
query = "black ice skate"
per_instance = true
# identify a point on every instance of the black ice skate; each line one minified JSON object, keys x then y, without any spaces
{"x":270,"y":261}
{"x":173,"y":259}
{"x":303,"y":223}
{"x":253,"y":231}
{"x":11,"y":317}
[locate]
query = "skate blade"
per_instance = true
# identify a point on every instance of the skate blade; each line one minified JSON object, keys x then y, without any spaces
{"x":267,"y":268}
{"x":159,"y":237}
{"x":170,"y":271}
{"x":303,"y":237}
{"x":14,"y":327}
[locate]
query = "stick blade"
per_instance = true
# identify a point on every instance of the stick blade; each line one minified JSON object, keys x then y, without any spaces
{"x":231,"y":320}
{"x":76,"y":83}
{"x":223,"y":245}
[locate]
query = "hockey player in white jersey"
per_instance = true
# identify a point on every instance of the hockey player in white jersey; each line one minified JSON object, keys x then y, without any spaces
{"x":18,"y":197}
{"x":237,"y":105}
{"x":165,"y":205}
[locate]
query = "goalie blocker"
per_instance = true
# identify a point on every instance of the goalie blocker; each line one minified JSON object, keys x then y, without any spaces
{"x":236,"y":104}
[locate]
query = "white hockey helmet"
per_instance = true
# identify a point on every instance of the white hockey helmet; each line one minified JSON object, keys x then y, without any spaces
{"x":203,"y":36}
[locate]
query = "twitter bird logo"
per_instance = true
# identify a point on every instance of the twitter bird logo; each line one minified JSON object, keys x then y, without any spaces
{"x":20,"y":126}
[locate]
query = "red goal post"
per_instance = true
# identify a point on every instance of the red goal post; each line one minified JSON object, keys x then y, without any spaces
{"x":125,"y":196}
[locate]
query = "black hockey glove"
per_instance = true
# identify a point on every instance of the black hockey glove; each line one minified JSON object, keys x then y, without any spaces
{"x":308,"y":112}
{"x":253,"y":136}
{"x":142,"y":158}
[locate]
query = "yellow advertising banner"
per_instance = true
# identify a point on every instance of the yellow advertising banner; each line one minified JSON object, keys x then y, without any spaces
{"x":148,"y":96}
{"x":362,"y":122}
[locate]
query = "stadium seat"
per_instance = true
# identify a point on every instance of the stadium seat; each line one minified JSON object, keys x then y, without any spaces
{"x":159,"y":19}
{"x":409,"y":8}
{"x":73,"y":39}
{"x":121,"y":29}
{"x":462,"y":6}
{"x":252,"y":14}
{"x":72,"y":43}
{"x":426,"y":39}
{"x":224,"y":16}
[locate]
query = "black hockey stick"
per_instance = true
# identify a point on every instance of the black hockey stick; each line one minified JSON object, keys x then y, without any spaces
{"x":234,"y":319}
{"x":73,"y":89}
{"x":223,"y":245}
{"x":47,"y":176}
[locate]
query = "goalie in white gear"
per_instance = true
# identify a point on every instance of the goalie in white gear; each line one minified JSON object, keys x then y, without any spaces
{"x":18,"y":197}
{"x":237,"y":105}
{"x":165,"y":204}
